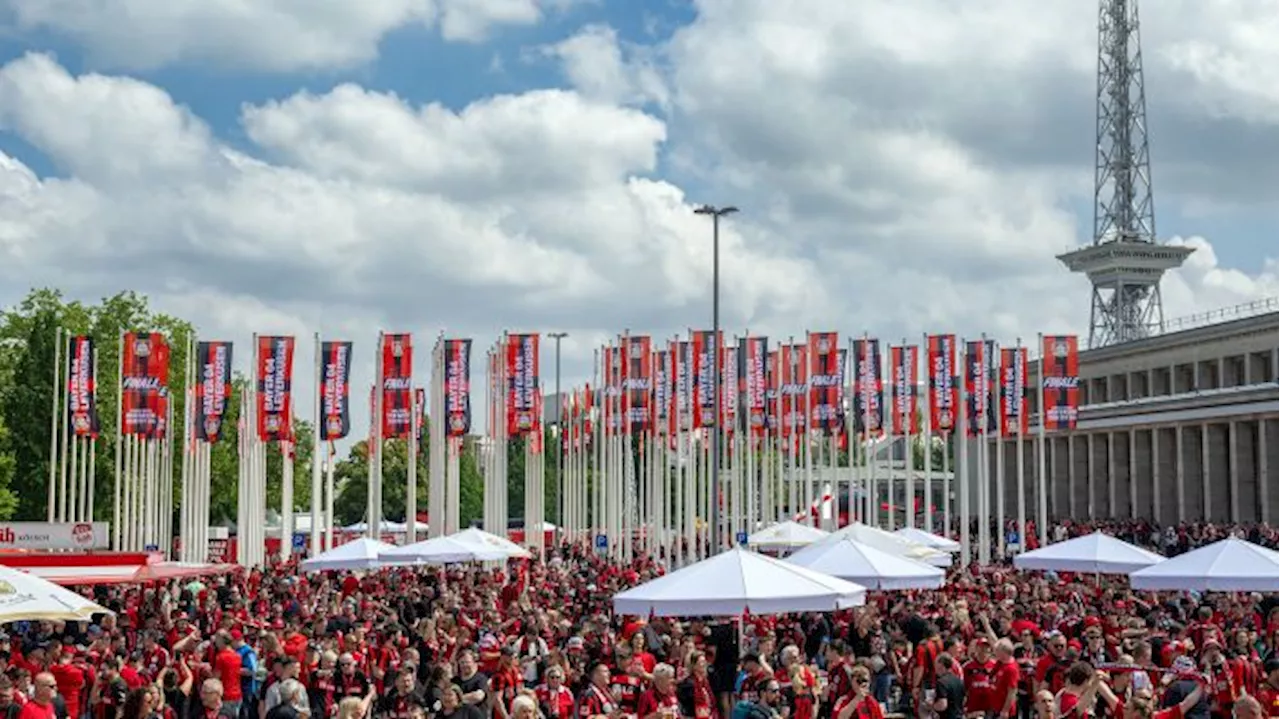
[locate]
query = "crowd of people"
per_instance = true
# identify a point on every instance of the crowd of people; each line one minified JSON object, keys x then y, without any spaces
{"x":538,"y":640}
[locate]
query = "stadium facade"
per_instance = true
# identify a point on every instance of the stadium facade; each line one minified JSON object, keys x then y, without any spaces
{"x":1181,"y":426}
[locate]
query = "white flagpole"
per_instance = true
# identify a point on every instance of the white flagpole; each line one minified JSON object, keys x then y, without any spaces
{"x":962,"y":438}
{"x":909,"y":365}
{"x":999,"y":444}
{"x":1042,"y":516}
{"x":93,"y":444}
{"x":61,"y":390}
{"x":926,"y":414}
{"x":411,"y":450}
{"x":53,"y":427}
{"x":186,"y":539}
{"x":317,"y":447}
{"x":984,"y":464}
{"x":1019,"y":373}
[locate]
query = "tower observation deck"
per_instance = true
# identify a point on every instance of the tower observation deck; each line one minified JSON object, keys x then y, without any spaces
{"x":1125,"y":262}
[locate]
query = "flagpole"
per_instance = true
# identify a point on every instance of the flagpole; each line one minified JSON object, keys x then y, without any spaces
{"x":185,"y":539}
{"x":93,"y":442}
{"x":60,"y":384}
{"x":984,"y":457}
{"x":927,"y":422}
{"x":1002,"y":390}
{"x":53,"y":424}
{"x":1042,"y":515}
{"x":1020,"y":371}
{"x":316,"y":446}
{"x":962,"y":429}
{"x":411,"y":450}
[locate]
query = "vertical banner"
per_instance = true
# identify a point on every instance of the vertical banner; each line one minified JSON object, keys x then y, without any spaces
{"x":977,"y":386}
{"x":824,"y":381}
{"x":793,"y":359}
{"x":754,"y":360}
{"x":1060,"y":372}
{"x":660,"y":418}
{"x":275,"y":389}
{"x":904,"y":374}
{"x":943,"y":393}
{"x":1013,"y":391}
{"x":522,"y":384}
{"x":457,"y":387}
{"x":729,"y":388}
{"x":335,"y":393}
{"x":868,"y":388}
{"x":772,"y":375}
{"x":704,"y":377}
{"x":611,"y":393}
{"x":213,"y":389}
{"x":840,"y":411}
{"x":145,"y":383}
{"x":681,"y":387}
{"x":397,"y":384}
{"x":637,"y":383}
{"x":82,"y":392}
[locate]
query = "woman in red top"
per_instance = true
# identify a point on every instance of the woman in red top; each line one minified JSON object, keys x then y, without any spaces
{"x":659,"y":700}
{"x":858,"y":704}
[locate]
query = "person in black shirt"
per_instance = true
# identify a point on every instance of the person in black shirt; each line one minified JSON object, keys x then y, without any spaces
{"x":948,"y":698}
{"x":400,"y":701}
{"x":292,"y":701}
{"x":451,"y":706}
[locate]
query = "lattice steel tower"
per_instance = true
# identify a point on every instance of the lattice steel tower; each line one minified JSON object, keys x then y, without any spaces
{"x":1124,"y":263}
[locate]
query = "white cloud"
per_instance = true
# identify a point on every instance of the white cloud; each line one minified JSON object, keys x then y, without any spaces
{"x":891,"y":182}
{"x":260,"y":36}
{"x":599,"y":66}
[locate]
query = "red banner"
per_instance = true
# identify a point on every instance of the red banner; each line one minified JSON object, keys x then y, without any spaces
{"x":1060,"y":373}
{"x":904,"y":374}
{"x":704,"y":378}
{"x":944,"y":395}
{"x":794,"y":366}
{"x":522,"y":384}
{"x":145,"y":384}
{"x":397,"y":386}
{"x":335,"y":394}
{"x":1013,"y":391}
{"x":637,"y":383}
{"x":82,"y":390}
{"x":824,"y":381}
{"x":457,"y":386}
{"x":611,"y":397}
{"x":755,"y":382}
{"x":275,"y":389}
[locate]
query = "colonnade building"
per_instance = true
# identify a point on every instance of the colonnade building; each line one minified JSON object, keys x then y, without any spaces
{"x":1177,"y":427}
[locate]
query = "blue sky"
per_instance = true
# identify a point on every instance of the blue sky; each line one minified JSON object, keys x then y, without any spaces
{"x":902,"y":166}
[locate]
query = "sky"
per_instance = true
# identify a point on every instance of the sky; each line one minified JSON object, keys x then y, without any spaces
{"x":472,"y":166}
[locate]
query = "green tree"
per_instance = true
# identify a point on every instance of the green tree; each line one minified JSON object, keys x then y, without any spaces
{"x":470,"y":487}
{"x":351,"y":477}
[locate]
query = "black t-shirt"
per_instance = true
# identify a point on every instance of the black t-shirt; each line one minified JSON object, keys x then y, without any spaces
{"x":477,"y":682}
{"x":399,"y":706}
{"x":282,"y":711}
{"x":465,"y":711}
{"x":951,"y":688}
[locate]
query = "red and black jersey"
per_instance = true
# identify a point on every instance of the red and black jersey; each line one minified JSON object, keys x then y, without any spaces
{"x":557,"y":703}
{"x":595,"y":702}
{"x":627,"y":689}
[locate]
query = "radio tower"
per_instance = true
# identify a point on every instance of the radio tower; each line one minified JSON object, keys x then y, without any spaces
{"x":1124,"y":263}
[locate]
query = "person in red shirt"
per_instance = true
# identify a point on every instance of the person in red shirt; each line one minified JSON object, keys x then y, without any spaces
{"x":1005,"y":677}
{"x":698,"y":698}
{"x":505,"y":683}
{"x":1269,"y":689}
{"x":979,"y":681}
{"x":554,"y":698}
{"x":1051,"y":670}
{"x":659,"y":700}
{"x":70,"y":679}
{"x":226,"y":669}
{"x":41,"y":704}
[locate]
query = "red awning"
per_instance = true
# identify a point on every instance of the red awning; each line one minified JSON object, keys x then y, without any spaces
{"x":83,"y":568}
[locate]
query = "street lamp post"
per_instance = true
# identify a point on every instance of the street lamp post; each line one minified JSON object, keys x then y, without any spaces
{"x":716,"y":213}
{"x":557,"y":336}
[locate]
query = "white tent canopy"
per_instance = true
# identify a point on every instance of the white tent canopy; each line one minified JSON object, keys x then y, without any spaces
{"x":1231,"y":565}
{"x":481,"y":538}
{"x":360,"y":553}
{"x":785,"y":535}
{"x":469,"y":545}
{"x":386,"y":527}
{"x":1095,"y":553}
{"x":933,"y":541}
{"x":868,"y":566}
{"x":735,"y":582}
{"x":26,"y":597}
{"x":891,"y":543}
